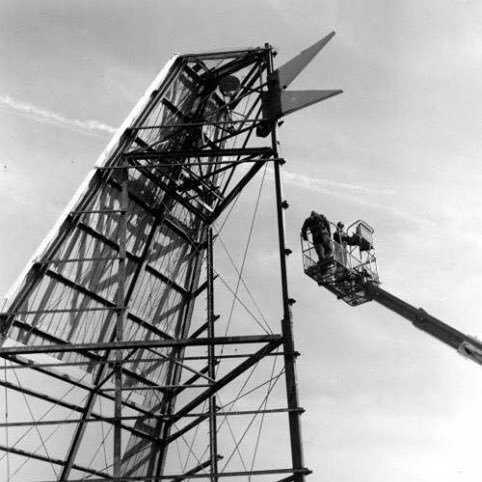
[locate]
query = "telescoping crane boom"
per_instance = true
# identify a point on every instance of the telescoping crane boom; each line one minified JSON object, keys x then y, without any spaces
{"x":350,"y":273}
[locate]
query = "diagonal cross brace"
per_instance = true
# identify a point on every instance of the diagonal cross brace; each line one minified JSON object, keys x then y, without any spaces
{"x":248,"y":363}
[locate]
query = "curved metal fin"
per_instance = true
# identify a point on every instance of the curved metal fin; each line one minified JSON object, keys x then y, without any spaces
{"x":289,"y":71}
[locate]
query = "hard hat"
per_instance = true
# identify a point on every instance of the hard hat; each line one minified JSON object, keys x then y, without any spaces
{"x":340,"y":224}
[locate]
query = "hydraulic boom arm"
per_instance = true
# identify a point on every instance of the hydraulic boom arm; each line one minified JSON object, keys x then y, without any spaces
{"x":350,"y":272}
{"x":464,"y":344}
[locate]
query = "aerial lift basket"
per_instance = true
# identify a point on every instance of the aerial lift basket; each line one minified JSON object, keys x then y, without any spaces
{"x":353,"y":262}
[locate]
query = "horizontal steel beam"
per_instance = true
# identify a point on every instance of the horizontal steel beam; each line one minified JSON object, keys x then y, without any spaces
{"x":192,"y":124}
{"x":156,"y":478}
{"x":29,"y":364}
{"x":224,"y":54}
{"x":94,"y":359}
{"x":247,"y":151}
{"x":256,"y":58}
{"x":56,"y":261}
{"x":185,"y":165}
{"x":32,"y":364}
{"x":159,"y":387}
{"x":128,"y":345}
{"x":99,"y":418}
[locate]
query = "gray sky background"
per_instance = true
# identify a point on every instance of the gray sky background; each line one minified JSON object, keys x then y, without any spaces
{"x":400,"y":149}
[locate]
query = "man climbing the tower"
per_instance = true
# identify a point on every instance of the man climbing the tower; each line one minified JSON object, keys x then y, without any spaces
{"x":319,"y":228}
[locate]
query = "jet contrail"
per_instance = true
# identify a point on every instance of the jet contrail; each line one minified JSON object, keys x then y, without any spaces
{"x":320,"y":184}
{"x":46,"y":115}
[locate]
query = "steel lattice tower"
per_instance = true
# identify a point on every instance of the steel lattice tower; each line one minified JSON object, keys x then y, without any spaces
{"x":107,"y":311}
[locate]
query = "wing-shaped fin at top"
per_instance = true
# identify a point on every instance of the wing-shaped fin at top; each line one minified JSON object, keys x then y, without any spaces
{"x":277,"y":102}
{"x":289,"y":71}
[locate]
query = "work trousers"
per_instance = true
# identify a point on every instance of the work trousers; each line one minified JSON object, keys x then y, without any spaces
{"x":323,"y":247}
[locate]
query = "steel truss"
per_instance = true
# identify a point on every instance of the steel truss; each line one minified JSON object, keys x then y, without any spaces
{"x":112,"y":291}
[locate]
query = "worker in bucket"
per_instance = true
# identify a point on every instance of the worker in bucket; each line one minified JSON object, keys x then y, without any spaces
{"x":340,"y":243}
{"x":354,"y":240}
{"x":319,"y":228}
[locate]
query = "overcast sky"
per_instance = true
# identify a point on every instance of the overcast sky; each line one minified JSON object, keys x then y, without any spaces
{"x":400,"y":149}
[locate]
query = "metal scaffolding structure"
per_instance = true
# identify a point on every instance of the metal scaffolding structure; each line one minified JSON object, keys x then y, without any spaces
{"x":115,"y":317}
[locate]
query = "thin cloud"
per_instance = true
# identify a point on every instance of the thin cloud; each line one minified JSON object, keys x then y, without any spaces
{"x":353,"y":193}
{"x":46,"y":115}
{"x":320,"y":184}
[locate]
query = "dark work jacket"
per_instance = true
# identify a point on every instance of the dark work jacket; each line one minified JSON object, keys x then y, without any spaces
{"x":353,"y":240}
{"x":318,"y":226}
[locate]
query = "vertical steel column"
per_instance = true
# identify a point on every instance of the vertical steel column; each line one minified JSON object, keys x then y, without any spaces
{"x":7,"y":441}
{"x":287,"y":321}
{"x":213,"y":443}
{"x":121,"y":314}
